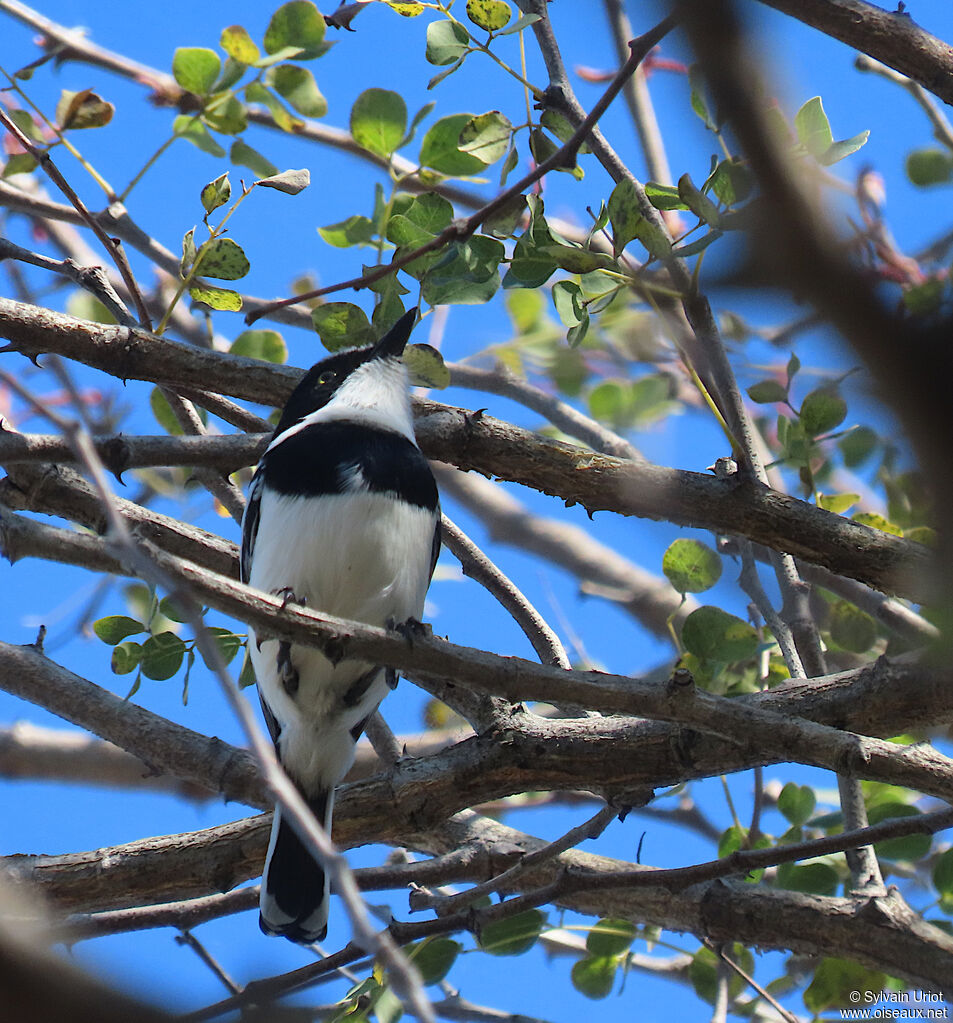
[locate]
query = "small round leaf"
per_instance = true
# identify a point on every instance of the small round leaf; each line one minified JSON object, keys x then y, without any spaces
{"x":114,"y":629}
{"x":514,"y":935}
{"x":594,"y":975}
{"x":267,"y":345}
{"x":162,"y":656}
{"x":691,"y":566}
{"x":610,"y":937}
{"x":126,"y":657}
{"x":716,"y":635}
{"x":223,"y":259}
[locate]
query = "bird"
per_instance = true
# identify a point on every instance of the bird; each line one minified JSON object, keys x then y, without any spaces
{"x":343,"y":516}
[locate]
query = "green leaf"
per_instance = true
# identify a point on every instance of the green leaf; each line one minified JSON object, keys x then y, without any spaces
{"x":594,"y":975}
{"x":19,"y":163}
{"x":567,"y":297}
{"x":813,"y":128}
{"x":929,"y":167}
{"x":512,"y":936}
{"x":298,"y":87}
{"x":625,"y":215}
{"x":226,"y":115}
{"x":908,"y":848}
{"x":231,"y":74}
{"x":925,"y":298}
{"x":125,"y":657}
{"x":242,"y":155}
{"x":189,"y":251}
{"x":857,"y":446}
{"x":161,"y":409}
{"x":228,"y":642}
{"x":703,"y":972}
{"x":664,"y":197}
{"x":255,"y":92}
{"x":246,"y":677}
{"x":838,"y":503}
{"x":291,"y":182}
{"x":822,"y":410}
{"x":434,"y":957}
{"x":223,"y":259}
{"x":697,"y":97}
{"x":356,"y":230}
{"x":767,"y":392}
{"x":426,"y":367}
{"x":83,"y":109}
{"x":446,"y":42}
{"x":162,"y":656}
{"x":610,"y":402}
{"x":267,"y":345}
{"x":191,"y":129}
{"x":812,"y":878}
{"x":468,"y":274}
{"x":876,"y":521}
{"x":486,"y":136}
{"x":575,"y":259}
{"x":840,"y":150}
{"x":216,"y":193}
{"x":342,"y":325}
{"x":691,"y":566}
{"x":797,"y":803}
{"x":731,"y":182}
{"x":491,"y":15}
{"x":698,"y":202}
{"x":169,"y":609}
{"x":238,"y":44}
{"x":841,"y":984}
{"x":440,"y":148}
{"x":196,"y":68}
{"x":419,"y":220}
{"x":23,"y":119}
{"x":504,"y":221}
{"x":943,"y":874}
{"x":296,"y":24}
{"x":446,"y":73}
{"x":379,"y":120}
{"x":406,"y":8}
{"x":542,"y":147}
{"x":850,"y":628}
{"x":716,"y":635}
{"x":523,"y":22}
{"x":610,"y":937}
{"x":114,"y":629}
{"x":216,"y":298}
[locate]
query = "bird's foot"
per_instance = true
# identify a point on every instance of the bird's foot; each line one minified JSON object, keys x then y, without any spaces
{"x":410,"y":629}
{"x":288,"y":596}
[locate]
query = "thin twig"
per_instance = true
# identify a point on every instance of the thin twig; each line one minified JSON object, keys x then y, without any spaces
{"x":110,"y":245}
{"x":446,"y":904}
{"x":478,"y":566}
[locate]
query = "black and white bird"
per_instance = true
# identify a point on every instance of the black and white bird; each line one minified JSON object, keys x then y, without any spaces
{"x":343,"y":516}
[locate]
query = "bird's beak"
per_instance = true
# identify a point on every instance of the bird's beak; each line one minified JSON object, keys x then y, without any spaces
{"x":393,"y":342}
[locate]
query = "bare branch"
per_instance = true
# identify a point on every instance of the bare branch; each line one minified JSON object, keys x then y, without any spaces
{"x":892,"y":37}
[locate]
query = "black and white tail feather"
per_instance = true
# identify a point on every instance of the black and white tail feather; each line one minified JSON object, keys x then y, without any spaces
{"x":343,"y":516}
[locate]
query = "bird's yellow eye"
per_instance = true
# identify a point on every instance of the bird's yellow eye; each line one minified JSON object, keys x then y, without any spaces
{"x":327,"y":376}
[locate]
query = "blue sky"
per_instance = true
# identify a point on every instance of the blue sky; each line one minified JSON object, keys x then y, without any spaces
{"x":279,"y":235}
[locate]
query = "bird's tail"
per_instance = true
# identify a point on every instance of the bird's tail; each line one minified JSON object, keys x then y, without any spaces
{"x":295,"y":890}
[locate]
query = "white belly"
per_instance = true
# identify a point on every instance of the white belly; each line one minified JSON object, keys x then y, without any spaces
{"x":363,"y":556}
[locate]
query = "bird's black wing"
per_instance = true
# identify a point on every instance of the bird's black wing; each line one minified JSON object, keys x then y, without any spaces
{"x":250,"y":522}
{"x":437,"y":541}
